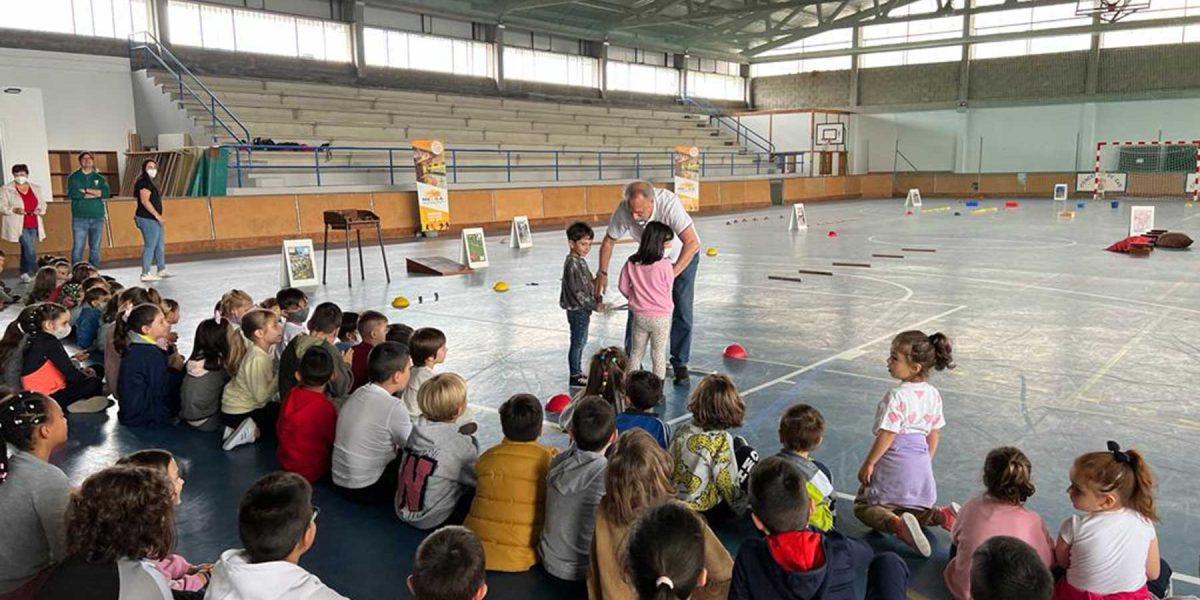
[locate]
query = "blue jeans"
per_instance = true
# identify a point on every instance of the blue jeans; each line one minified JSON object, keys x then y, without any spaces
{"x":683,"y":294}
{"x":29,"y":240}
{"x":579,"y":321}
{"x":152,"y":244}
{"x":90,"y":232}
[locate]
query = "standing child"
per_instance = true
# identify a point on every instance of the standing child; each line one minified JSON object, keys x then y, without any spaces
{"x":293,"y":304}
{"x":206,"y":374}
{"x":578,"y":296}
{"x":801,"y":429}
{"x":428,"y":347}
{"x":711,"y":465}
{"x":1112,"y":550}
{"x":372,"y":328}
{"x":510,"y":500}
{"x":666,"y":554}
{"x":308,"y":420}
{"x":87,"y":326}
{"x":149,"y":379}
{"x":250,"y":403}
{"x":647,"y":280}
{"x":372,"y":427}
{"x":47,"y":369}
{"x":643,"y":392}
{"x":1000,"y":511}
{"x":449,"y":566}
{"x":606,"y":378}
{"x":898,"y":492}
{"x":183,"y":576}
{"x":323,"y":327}
{"x":429,"y":497}
{"x":574,"y":487}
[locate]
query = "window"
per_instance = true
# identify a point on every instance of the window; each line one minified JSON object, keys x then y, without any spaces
{"x":1157,"y":36}
{"x":920,"y":56}
{"x":644,"y":79}
{"x":550,"y":67}
{"x":403,"y":50}
{"x":807,"y":65}
{"x":712,"y":85}
{"x":96,"y":18}
{"x":1030,"y":19}
{"x":835,"y":39}
{"x":885,"y":34}
{"x":223,"y":28}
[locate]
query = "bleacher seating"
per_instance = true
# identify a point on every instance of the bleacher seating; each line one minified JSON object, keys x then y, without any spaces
{"x":315,"y":114}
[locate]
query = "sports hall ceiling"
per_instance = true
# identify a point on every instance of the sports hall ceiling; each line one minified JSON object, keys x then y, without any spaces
{"x":743,"y":30}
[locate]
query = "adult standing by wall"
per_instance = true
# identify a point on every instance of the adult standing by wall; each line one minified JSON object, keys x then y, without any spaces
{"x":150,"y":220}
{"x":88,"y":189}
{"x":642,"y":204}
{"x":22,"y":205}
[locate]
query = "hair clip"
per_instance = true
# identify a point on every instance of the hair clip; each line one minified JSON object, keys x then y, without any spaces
{"x":1118,"y":454}
{"x":664,"y":580}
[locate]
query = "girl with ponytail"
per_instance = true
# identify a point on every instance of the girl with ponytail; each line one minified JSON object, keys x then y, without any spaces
{"x":149,"y":382}
{"x":49,"y":370}
{"x":606,"y":378}
{"x":1008,"y":479}
{"x":33,"y":493}
{"x":665,"y":556}
{"x":120,"y":304}
{"x":898,"y":493}
{"x":1111,"y":551}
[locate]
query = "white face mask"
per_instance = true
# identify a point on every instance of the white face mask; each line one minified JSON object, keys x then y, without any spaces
{"x":62,"y":332}
{"x":21,"y":179}
{"x":151,"y":172}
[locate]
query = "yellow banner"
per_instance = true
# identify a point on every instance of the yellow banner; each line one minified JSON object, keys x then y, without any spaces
{"x":433,"y":197}
{"x":687,"y":177}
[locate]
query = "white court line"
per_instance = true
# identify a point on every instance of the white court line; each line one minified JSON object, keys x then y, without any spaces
{"x":840,"y":355}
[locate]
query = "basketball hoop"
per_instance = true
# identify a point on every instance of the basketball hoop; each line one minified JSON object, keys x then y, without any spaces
{"x":1109,"y":11}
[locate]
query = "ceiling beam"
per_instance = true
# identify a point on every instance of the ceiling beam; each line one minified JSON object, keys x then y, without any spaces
{"x":847,"y":21}
{"x":756,"y":11}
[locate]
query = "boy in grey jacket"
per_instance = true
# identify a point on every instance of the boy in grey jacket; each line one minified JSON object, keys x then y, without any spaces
{"x":575,"y":484}
{"x":578,"y":296}
{"x":437,"y":466}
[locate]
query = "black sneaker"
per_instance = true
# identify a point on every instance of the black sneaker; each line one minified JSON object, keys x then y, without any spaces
{"x":681,"y":375}
{"x":577,"y":381}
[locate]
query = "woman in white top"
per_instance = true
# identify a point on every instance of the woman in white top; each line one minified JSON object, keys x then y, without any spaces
{"x":22,"y":205}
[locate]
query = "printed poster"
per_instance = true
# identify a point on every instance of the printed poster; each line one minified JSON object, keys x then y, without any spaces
{"x":687,"y":177}
{"x":299,"y":265}
{"x":433,"y":197}
{"x":474,"y":248}
{"x":1141,"y":219}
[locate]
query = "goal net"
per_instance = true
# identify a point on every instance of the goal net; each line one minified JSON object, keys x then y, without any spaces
{"x":1166,"y":170}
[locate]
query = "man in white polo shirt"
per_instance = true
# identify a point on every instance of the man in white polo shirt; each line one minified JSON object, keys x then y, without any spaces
{"x":642,"y":204}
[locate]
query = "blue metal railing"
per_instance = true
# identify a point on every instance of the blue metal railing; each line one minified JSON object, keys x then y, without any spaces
{"x":567,"y":165}
{"x":744,"y":135}
{"x":154,"y":52}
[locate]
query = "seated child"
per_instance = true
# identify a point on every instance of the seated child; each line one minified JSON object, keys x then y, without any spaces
{"x":183,"y":576}
{"x":87,"y":325}
{"x":399,"y":332}
{"x":372,"y":328}
{"x":277,"y":523}
{"x":347,"y":336}
{"x":606,"y":378}
{"x":323,"y":327}
{"x":666,"y":553}
{"x":7,"y":295}
{"x":206,"y":374}
{"x":12,"y":348}
{"x":372,"y":427}
{"x":426,"y":497}
{"x":1006,"y":568}
{"x":293,"y":306}
{"x":308,"y":420}
{"x":1000,"y":511}
{"x":801,"y":429}
{"x":798,"y":562}
{"x":120,"y":522}
{"x":711,"y":465}
{"x":62,"y":276}
{"x":116,"y":310}
{"x":250,"y":402}
{"x":47,"y":369}
{"x":510,"y":497}
{"x":45,"y":284}
{"x":428,"y":348}
{"x":574,"y":487}
{"x":149,"y":381}
{"x":171,"y":310}
{"x":643,"y":392}
{"x":233,"y":304}
{"x":449,"y":566}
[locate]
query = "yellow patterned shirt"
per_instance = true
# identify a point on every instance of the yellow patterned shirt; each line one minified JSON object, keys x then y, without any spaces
{"x":706,"y":469}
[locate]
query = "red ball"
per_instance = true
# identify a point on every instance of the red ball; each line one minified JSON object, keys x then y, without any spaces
{"x":558,"y":403}
{"x":832,"y":234}
{"x":734,"y":351}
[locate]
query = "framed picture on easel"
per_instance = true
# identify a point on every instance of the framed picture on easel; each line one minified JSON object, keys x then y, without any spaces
{"x":474,"y":248}
{"x":298,"y":264}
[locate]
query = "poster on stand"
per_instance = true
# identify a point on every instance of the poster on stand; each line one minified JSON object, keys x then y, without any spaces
{"x":298,"y":264}
{"x":687,"y":177}
{"x":433,"y":197}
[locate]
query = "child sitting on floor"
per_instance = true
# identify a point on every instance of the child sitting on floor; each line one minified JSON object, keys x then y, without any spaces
{"x":372,"y":328}
{"x":399,"y":332}
{"x":323,"y":328}
{"x":372,"y":427}
{"x":449,"y":566}
{"x":87,"y":325}
{"x":250,"y":403}
{"x":293,"y":306}
{"x":606,"y":378}
{"x":47,"y":369}
{"x":347,"y":336}
{"x":428,"y":348}
{"x":206,"y":374}
{"x":150,"y":380}
{"x":233,"y":304}
{"x":45,"y":284}
{"x":308,"y":420}
{"x":643,"y":392}
{"x":1005,"y":568}
{"x":666,"y":554}
{"x":801,"y":429}
{"x":427,"y":497}
{"x":510,"y":498}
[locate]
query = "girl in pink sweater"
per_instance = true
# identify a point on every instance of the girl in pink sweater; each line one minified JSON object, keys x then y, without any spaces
{"x":647,"y":280}
{"x":1008,"y":477}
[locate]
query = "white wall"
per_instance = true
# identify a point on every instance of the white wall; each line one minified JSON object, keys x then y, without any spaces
{"x":156,"y":113}
{"x":23,"y":136}
{"x":88,"y":100}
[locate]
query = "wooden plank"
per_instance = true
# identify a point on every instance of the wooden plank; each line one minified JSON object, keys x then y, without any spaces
{"x":782,"y":278}
{"x":810,"y":272}
{"x":918,"y":250}
{"x":436,"y":265}
{"x":887,"y":256}
{"x":850,"y":264}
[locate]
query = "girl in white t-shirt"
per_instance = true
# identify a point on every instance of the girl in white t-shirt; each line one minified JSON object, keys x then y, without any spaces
{"x":1112,"y":550}
{"x":898,"y":490}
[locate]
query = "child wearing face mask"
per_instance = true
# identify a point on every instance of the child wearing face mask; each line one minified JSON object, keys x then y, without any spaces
{"x":48,"y":370}
{"x":293,"y":307}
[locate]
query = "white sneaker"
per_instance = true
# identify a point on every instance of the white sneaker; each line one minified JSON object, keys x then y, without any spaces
{"x":94,"y":404}
{"x":150,"y":277}
{"x":246,"y":433}
{"x":25,"y":278}
{"x":163,"y":274}
{"x":909,"y":531}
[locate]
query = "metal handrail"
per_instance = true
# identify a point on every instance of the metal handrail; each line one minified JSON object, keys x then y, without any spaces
{"x":639,"y":161}
{"x":151,"y":47}
{"x":741,"y":132}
